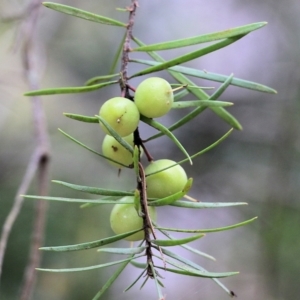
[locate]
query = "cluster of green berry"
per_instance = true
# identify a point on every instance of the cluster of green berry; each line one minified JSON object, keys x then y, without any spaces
{"x":153,"y":98}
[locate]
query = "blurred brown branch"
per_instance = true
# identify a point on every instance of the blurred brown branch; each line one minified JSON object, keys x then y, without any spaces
{"x":39,"y":162}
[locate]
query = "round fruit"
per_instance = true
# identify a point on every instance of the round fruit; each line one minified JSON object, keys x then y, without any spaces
{"x":124,"y":218}
{"x":121,"y":114}
{"x":154,"y":97}
{"x":114,"y":150}
{"x":167,"y":182}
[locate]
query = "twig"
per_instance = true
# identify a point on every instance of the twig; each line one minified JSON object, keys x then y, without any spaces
{"x":13,"y":214}
{"x":39,"y":162}
{"x":146,"y":220}
{"x":32,"y":76}
{"x":141,"y":180}
{"x":126,"y":47}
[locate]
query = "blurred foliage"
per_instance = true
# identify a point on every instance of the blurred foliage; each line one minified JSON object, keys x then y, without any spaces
{"x":259,"y":165}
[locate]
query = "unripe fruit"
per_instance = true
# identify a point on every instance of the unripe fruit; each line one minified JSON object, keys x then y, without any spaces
{"x":124,"y":218}
{"x":167,"y":182}
{"x":121,"y":114}
{"x":114,"y":150}
{"x":154,"y":97}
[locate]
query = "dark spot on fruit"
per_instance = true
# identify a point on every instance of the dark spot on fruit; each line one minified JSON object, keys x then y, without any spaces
{"x":115,"y":149}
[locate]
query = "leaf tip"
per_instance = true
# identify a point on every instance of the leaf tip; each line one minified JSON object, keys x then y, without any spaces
{"x":47,"y":4}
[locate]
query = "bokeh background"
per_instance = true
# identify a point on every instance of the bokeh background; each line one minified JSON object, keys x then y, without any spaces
{"x":259,"y":165}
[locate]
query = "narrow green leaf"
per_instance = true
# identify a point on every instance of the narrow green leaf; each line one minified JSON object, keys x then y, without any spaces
{"x":188,"y":204}
{"x":228,"y":118}
{"x":212,"y":76}
{"x":168,"y":133}
{"x":90,"y":245}
{"x":75,"y":200}
{"x":112,"y":279}
{"x":146,"y":279}
{"x":195,"y":112}
{"x":179,"y":271}
{"x":196,"y":154}
{"x":157,"y":284}
{"x":200,"y":94}
{"x":127,"y":251}
{"x":82,"y":118}
{"x":191,"y":267}
{"x":138,"y":265}
{"x":204,"y":38}
{"x":170,"y":243}
{"x":104,"y":200}
{"x":180,"y":94}
{"x":70,"y":90}
{"x":206,"y":103}
{"x":197,"y":267}
{"x":90,"y":149}
{"x":93,"y":190}
{"x":172,"y":198}
{"x":187,"y":57}
{"x":82,"y":14}
{"x":86,"y":268}
{"x":201,"y":254}
{"x":208,"y":230}
{"x":187,"y":269}
{"x":193,"y":87}
{"x":118,"y":54}
{"x":222,"y":88}
{"x":186,"y":246}
{"x":115,"y":135}
{"x":97,"y":79}
{"x":136,"y":280}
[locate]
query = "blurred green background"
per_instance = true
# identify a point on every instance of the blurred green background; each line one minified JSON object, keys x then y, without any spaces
{"x":259,"y":165}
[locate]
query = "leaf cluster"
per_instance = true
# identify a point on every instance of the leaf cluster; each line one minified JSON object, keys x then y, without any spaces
{"x":200,"y":101}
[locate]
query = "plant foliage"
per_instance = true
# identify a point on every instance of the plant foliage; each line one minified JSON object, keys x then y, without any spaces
{"x":152,"y":247}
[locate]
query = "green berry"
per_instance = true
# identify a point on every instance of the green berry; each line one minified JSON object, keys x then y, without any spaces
{"x":124,"y":218}
{"x":167,"y":182}
{"x":121,"y":114}
{"x":114,"y":150}
{"x":154,"y":97}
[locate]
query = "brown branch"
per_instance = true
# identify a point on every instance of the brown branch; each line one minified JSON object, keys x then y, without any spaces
{"x":17,"y":205}
{"x":146,"y":220}
{"x":141,"y":180}
{"x":126,"y":46}
{"x":39,"y":162}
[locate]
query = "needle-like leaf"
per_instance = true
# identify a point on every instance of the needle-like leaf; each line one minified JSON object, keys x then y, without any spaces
{"x":75,"y":200}
{"x":205,"y":103}
{"x":136,"y":250}
{"x":188,"y":57}
{"x":203,"y":38}
{"x":90,"y":245}
{"x":75,"y":12}
{"x":87,"y":268}
{"x":70,"y":90}
{"x":208,"y":230}
{"x":173,"y":242}
{"x":168,"y":133}
{"x":93,"y":190}
{"x":116,"y":135}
